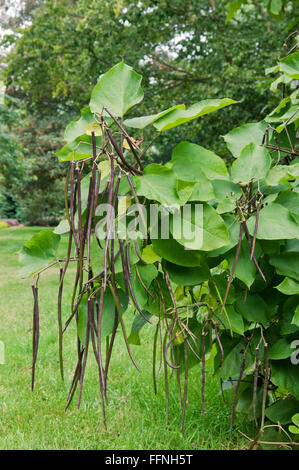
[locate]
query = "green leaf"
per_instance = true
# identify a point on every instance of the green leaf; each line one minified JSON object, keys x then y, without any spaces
{"x":158,"y":183}
{"x":285,"y":375}
{"x":221,"y":283}
{"x":295,"y":319}
{"x":235,"y":320}
{"x":254,"y":163}
{"x":181,"y":116}
{"x":78,"y":149}
{"x":108,"y":314}
{"x":275,"y":7}
{"x":62,"y":227}
{"x":149,"y":255}
{"x":238,"y":138}
{"x":233,"y":354}
{"x":38,"y":252}
{"x":280,"y":350}
{"x":233,"y":227}
{"x":286,"y":324}
{"x":210,"y":230}
{"x":225,"y":188}
{"x":82,"y":126}
{"x":203,"y":189}
{"x":290,"y":65}
{"x":143,"y":121}
{"x":286,"y":264}
{"x":245,"y":268}
{"x":189,"y":159}
{"x":288,"y":286}
{"x":174,"y":252}
{"x":118,"y":90}
{"x":232,"y":8}
{"x":290,"y":200}
{"x":138,"y":323}
{"x":282,"y":410}
{"x":184,"y":190}
{"x":253,"y":308}
{"x":282,"y":173}
{"x":275,"y":223}
{"x":188,"y":276}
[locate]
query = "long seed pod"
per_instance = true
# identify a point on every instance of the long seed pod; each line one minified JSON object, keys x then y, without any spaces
{"x":142,"y":283}
{"x":255,"y":230}
{"x":250,"y":248}
{"x":138,"y":252}
{"x":266,"y":381}
{"x":72,"y":206}
{"x":116,"y":300}
{"x":82,"y":372}
{"x":124,"y":266}
{"x":96,"y":345}
{"x":233,"y":268}
{"x":178,"y":375}
{"x":60,"y":329}
{"x":35,"y":333}
{"x":99,"y":308}
{"x":185,"y":386}
{"x":75,"y":380}
{"x":236,"y":391}
{"x":126,"y":164}
{"x":220,"y":345}
{"x":255,"y":379}
{"x":155,"y":357}
{"x":203,"y":372}
{"x":127,"y":256}
{"x":166,"y":383}
{"x":110,"y":219}
{"x":128,"y":138}
{"x":165,"y":354}
{"x":110,"y":347}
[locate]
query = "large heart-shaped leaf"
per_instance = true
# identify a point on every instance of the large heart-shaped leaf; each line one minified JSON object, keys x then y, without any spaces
{"x":188,"y":276}
{"x":290,"y":65}
{"x":180,"y":116}
{"x":84,"y":125}
{"x":38,"y":252}
{"x":275,"y":223}
{"x":245,"y":269}
{"x":280,"y":350}
{"x":286,"y":264}
{"x":282,"y":410}
{"x":282,"y":173}
{"x":78,"y":149}
{"x":285,"y":375}
{"x":208,"y":228}
{"x":108,"y":314}
{"x":143,"y":121}
{"x":253,"y":163}
{"x":118,"y":90}
{"x":189,"y":159}
{"x":241,"y":136}
{"x":253,"y":309}
{"x":174,"y":252}
{"x":288,"y":286}
{"x":158,"y":183}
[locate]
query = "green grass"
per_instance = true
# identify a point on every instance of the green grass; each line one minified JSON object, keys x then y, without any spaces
{"x":136,"y":417}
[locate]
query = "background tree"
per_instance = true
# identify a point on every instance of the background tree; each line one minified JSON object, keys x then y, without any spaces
{"x":56,"y":52}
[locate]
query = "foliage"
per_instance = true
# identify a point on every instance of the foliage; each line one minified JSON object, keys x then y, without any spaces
{"x":230,"y":298}
{"x":184,"y":50}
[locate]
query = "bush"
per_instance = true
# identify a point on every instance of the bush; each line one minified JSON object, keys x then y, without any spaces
{"x":3,"y":224}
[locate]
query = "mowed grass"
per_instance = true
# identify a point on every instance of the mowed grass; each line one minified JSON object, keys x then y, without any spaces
{"x":136,"y":417}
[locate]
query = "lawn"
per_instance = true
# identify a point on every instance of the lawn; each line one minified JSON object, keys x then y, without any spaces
{"x":136,"y":417}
